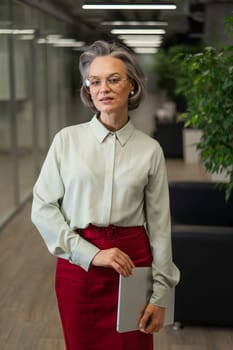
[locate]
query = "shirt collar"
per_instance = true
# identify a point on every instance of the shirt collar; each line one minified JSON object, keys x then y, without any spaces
{"x":101,"y":132}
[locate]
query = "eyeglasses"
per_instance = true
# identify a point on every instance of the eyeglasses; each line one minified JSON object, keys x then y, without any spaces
{"x":94,"y":84}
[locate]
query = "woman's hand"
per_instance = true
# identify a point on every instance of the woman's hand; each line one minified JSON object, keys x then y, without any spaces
{"x":152,"y":319}
{"x":116,"y":259}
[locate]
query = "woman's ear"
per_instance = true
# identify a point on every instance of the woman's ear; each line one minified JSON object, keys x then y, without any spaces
{"x":132,"y":87}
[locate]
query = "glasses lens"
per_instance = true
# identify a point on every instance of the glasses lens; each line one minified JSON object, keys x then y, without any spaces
{"x":111,"y":82}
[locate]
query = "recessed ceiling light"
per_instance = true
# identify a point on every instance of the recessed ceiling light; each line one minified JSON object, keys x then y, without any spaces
{"x":145,"y":50}
{"x":27,"y":37}
{"x":134,"y":23}
{"x":131,"y":6}
{"x":148,"y":38}
{"x":138,"y":31}
{"x":142,"y":44}
{"x":68,"y":43}
{"x":17,"y":31}
{"x":58,"y":41}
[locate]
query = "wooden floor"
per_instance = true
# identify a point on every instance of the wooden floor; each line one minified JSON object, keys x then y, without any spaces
{"x":177,"y":170}
{"x":28,"y":314}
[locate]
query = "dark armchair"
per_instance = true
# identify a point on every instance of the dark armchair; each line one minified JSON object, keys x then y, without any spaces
{"x":169,"y":135}
{"x":202,"y":235}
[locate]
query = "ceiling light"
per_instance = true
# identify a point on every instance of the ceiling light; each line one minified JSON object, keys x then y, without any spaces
{"x":17,"y":31}
{"x":66,"y":42}
{"x":142,"y":44}
{"x":129,"y":6}
{"x":53,"y":37}
{"x":58,"y":41}
{"x":148,"y":38}
{"x":145,"y":50}
{"x":61,"y":40}
{"x":141,"y":40}
{"x":27,"y":37}
{"x":69,"y":43}
{"x":138,"y":31}
{"x":134,"y":23}
{"x":42,"y":41}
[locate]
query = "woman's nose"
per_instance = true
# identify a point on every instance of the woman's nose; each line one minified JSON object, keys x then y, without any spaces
{"x":104,"y":85}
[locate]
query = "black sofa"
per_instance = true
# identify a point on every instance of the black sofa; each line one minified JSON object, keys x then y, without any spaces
{"x":170,"y":136}
{"x":202,"y":237}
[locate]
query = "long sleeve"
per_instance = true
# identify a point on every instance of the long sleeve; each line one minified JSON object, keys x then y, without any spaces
{"x":91,"y":175}
{"x":157,"y":208}
{"x":47,"y":215}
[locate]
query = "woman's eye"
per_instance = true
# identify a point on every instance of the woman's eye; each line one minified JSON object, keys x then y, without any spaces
{"x":95,"y":82}
{"x":113,"y":80}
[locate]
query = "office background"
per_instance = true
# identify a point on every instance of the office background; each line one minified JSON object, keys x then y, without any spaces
{"x":39,"y":94}
{"x":36,"y":97}
{"x":39,"y":81}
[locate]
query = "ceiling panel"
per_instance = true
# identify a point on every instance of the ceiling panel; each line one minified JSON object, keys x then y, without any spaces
{"x":186,"y":23}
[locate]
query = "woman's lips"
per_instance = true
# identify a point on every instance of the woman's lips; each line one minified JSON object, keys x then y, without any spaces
{"x":106,"y":99}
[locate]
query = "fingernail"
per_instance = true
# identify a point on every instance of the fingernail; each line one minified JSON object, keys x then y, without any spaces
{"x":142,"y":330}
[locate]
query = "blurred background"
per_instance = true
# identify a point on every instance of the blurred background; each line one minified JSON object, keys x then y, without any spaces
{"x":186,"y":51}
{"x":40,"y":44}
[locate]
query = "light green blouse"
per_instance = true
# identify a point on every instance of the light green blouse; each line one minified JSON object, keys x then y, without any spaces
{"x":93,"y":175}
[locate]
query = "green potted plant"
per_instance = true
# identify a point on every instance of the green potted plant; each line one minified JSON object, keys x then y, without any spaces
{"x":167,"y":71}
{"x":206,"y":80}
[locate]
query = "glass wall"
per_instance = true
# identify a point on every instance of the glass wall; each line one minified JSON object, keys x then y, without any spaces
{"x":7,"y":148}
{"x":35,"y":97}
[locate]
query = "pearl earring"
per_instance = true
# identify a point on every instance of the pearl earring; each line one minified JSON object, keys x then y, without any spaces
{"x":132,"y":92}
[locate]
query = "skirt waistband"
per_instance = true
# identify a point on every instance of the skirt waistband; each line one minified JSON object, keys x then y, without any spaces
{"x":111,"y":231}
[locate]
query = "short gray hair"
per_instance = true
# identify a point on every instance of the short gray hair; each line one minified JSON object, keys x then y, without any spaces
{"x":133,"y":70}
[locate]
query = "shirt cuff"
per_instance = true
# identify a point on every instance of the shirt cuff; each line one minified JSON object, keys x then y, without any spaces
{"x":84,"y":254}
{"x":161,"y":296}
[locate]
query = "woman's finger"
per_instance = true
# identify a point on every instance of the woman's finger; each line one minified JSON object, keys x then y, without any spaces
{"x":122,"y":266}
{"x":152,"y":319}
{"x":114,"y":258}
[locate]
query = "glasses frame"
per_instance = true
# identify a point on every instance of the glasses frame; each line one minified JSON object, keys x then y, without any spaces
{"x":112,"y":86}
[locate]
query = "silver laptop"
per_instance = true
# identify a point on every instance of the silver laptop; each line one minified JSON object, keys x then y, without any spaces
{"x":134,"y":294}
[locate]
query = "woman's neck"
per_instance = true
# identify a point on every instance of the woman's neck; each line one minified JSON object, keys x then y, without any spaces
{"x":112,"y":121}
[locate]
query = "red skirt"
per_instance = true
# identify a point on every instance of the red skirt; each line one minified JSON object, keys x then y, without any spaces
{"x":87,"y":301}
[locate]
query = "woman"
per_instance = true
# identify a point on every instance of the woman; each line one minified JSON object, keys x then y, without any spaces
{"x":101,"y":204}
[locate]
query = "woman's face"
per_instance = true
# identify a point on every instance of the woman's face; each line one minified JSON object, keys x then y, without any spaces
{"x":109,"y":85}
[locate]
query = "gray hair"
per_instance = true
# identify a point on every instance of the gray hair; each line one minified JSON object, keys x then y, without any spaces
{"x":133,"y":71}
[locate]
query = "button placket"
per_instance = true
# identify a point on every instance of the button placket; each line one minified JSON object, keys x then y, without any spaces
{"x":109,"y":176}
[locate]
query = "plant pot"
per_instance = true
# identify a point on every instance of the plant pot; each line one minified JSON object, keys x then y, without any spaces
{"x":220,"y":177}
{"x":190,"y":138}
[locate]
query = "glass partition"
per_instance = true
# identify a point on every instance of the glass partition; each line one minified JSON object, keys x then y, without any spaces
{"x":35,"y":97}
{"x":24,"y":68}
{"x":7,"y":150}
